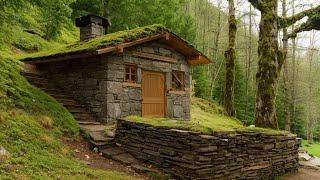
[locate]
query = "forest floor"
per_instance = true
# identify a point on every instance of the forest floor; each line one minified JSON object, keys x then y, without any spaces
{"x":85,"y":155}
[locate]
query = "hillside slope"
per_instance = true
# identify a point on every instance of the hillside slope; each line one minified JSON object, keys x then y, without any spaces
{"x":32,"y":126}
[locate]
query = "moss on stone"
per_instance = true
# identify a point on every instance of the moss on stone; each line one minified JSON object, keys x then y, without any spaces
{"x":100,"y":42}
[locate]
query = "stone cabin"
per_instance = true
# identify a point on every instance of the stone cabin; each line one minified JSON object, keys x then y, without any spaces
{"x":145,"y":71}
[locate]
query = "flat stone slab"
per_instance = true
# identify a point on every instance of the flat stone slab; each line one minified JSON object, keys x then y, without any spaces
{"x":142,"y":169}
{"x":90,"y":127}
{"x":82,"y":123}
{"x":98,"y":136}
{"x":112,"y":151}
{"x":304,"y":156}
{"x":125,"y":159}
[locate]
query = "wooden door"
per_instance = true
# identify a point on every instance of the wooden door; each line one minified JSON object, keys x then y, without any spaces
{"x":153,"y":94}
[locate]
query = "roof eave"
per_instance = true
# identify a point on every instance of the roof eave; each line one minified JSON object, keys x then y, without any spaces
{"x":194,"y":57}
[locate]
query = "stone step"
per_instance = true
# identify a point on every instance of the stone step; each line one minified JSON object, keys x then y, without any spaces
{"x":36,"y":78}
{"x":32,"y":74}
{"x":50,"y":90}
{"x":66,"y":101}
{"x":112,"y":151}
{"x":81,"y":114}
{"x":99,"y":136}
{"x":94,"y":127}
{"x":83,"y":118}
{"x":60,"y":96}
{"x":70,"y":106}
{"x":125,"y":158}
{"x":76,"y":110}
{"x":101,"y":145}
{"x":39,"y":84}
{"x":88,"y":123}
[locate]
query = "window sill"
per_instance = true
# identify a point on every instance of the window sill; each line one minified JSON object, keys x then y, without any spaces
{"x":177,"y":92}
{"x":135,"y":85}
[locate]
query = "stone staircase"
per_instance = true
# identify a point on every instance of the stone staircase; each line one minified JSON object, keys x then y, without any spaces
{"x":99,"y":135}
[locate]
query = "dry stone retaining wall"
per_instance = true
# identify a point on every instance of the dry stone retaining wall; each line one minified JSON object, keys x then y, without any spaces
{"x":191,"y":155}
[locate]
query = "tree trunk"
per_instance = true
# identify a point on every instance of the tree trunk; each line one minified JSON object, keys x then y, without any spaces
{"x":271,"y":58}
{"x":214,"y":73}
{"x":310,"y":122}
{"x":287,"y":122}
{"x":293,"y":80}
{"x":230,"y":56}
{"x":270,"y":61}
{"x":248,"y":65}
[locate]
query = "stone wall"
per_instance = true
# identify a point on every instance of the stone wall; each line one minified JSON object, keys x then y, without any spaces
{"x":98,"y":82}
{"x":190,"y":155}
{"x":85,"y":80}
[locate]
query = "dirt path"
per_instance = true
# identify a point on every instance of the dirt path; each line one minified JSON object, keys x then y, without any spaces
{"x":304,"y":173}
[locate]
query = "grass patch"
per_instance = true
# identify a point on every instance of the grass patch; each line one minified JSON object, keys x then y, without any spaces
{"x":313,"y":149}
{"x":206,"y":117}
{"x":31,"y":126}
{"x":100,"y":42}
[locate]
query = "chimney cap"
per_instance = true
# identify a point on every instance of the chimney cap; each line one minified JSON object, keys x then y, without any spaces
{"x":91,"y":18}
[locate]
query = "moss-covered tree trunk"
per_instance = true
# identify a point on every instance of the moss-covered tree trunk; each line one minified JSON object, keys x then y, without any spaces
{"x":270,"y":60}
{"x":230,"y":56}
{"x":287,"y":122}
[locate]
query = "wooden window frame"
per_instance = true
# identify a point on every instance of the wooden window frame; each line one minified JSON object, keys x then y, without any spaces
{"x":130,"y":74}
{"x":178,"y":76}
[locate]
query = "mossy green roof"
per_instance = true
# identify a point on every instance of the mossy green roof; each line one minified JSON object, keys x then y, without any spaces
{"x":105,"y":41}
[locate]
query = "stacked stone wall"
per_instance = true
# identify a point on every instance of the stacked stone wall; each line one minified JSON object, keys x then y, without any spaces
{"x":191,"y":155}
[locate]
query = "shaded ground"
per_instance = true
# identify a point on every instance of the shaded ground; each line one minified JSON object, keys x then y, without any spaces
{"x":304,"y":173}
{"x":83,"y":153}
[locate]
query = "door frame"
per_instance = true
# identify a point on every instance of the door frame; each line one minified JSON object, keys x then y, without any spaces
{"x":164,"y":89}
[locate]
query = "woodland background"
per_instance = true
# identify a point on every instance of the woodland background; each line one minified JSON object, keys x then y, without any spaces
{"x":201,"y":22}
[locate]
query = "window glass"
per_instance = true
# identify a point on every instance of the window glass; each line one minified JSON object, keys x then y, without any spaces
{"x":178,"y":80}
{"x":130,"y":73}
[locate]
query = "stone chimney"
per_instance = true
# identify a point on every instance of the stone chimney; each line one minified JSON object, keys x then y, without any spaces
{"x":92,"y":26}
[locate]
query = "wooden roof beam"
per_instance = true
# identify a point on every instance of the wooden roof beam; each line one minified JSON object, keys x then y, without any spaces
{"x":195,"y":60}
{"x":133,"y":43}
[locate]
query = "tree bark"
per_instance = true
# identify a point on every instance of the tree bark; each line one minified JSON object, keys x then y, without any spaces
{"x":310,"y":122}
{"x":271,"y":58}
{"x":214,"y":74}
{"x":230,"y":56}
{"x":293,"y":81}
{"x":270,"y":62}
{"x":248,"y":65}
{"x":287,"y":122}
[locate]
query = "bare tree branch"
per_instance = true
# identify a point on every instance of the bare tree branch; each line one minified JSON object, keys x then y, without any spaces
{"x":313,"y":23}
{"x":286,"y":22}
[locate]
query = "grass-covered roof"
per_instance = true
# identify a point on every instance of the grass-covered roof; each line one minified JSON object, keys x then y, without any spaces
{"x":109,"y":40}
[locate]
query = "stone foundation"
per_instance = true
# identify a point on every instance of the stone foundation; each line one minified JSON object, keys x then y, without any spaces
{"x":191,"y":155}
